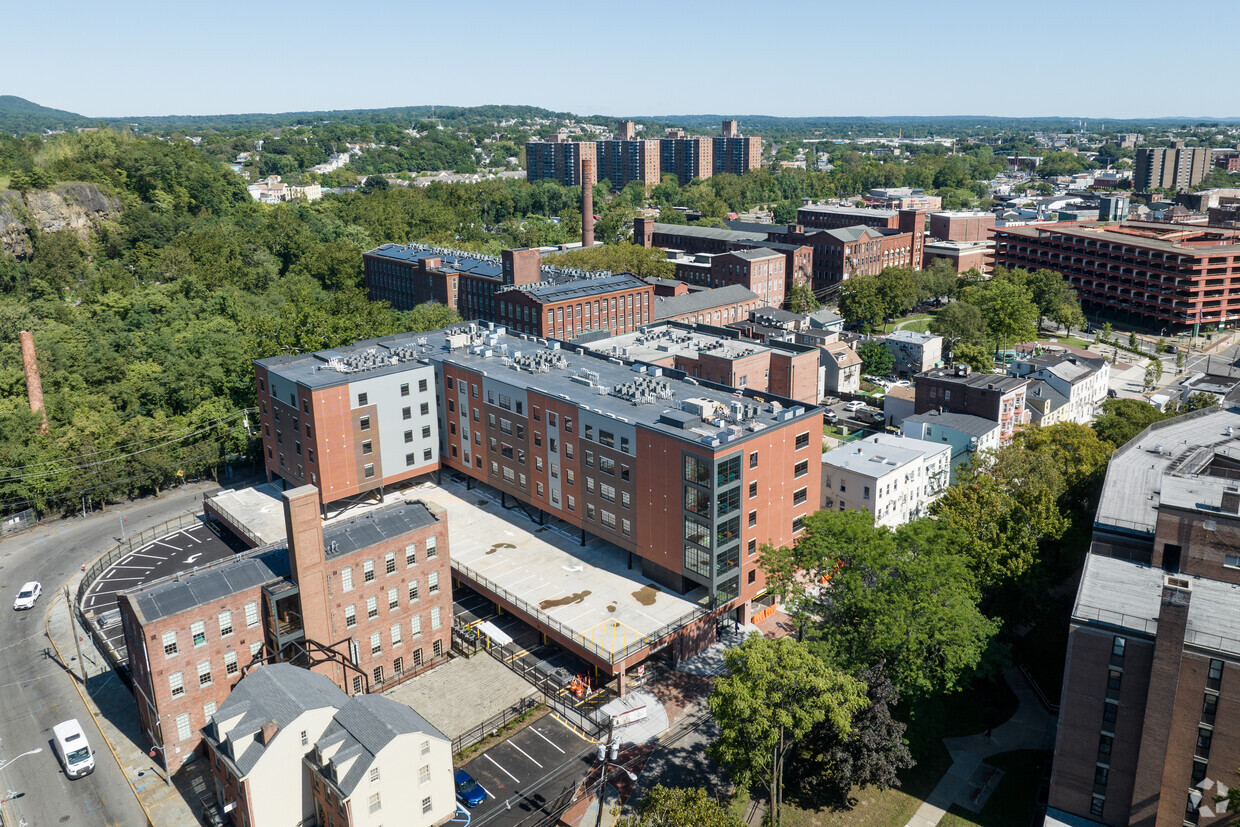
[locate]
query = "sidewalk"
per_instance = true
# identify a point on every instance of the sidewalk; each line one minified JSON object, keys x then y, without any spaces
{"x":1030,"y":727}
{"x":112,"y":706}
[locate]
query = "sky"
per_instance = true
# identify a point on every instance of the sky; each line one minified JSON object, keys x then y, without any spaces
{"x":1089,"y":58}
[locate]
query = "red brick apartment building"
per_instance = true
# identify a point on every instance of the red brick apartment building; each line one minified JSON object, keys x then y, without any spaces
{"x":624,"y":160}
{"x":961,"y":225}
{"x":685,"y":157}
{"x":991,"y":396}
{"x":590,"y":440}
{"x":1172,"y":275}
{"x":616,"y":304}
{"x":373,"y":592}
{"x":717,"y":306}
{"x":1148,"y":731}
{"x":559,"y":159}
{"x":761,"y":270}
{"x":722,"y":355}
{"x":823,"y":217}
{"x":859,"y":249}
{"x":736,"y":154}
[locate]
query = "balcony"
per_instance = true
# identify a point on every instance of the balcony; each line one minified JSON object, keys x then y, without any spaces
{"x":284,"y":623}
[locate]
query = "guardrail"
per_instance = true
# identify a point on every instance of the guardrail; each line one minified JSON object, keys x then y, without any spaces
{"x":494,"y":723}
{"x":610,"y":656}
{"x":1037,"y":690}
{"x":209,"y":509}
{"x":547,"y":687}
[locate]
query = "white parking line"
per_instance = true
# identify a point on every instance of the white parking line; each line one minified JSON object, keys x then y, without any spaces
{"x":152,"y":556}
{"x":548,"y":740}
{"x":117,"y":579}
{"x":165,"y":545}
{"x":523,"y":752}
{"x":501,"y":769}
{"x":143,"y":568}
{"x":191,"y":536}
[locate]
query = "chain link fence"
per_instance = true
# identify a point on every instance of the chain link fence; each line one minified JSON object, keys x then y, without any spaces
{"x":20,"y":521}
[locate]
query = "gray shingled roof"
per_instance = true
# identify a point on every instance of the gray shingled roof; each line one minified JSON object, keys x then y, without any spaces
{"x":694,"y":231}
{"x":373,"y":527}
{"x":582,"y":287}
{"x":965,"y":423}
{"x":171,"y":597}
{"x":667,"y":306}
{"x":363,"y":727}
{"x":279,"y":692}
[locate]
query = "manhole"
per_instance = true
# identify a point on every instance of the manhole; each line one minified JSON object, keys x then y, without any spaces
{"x":141,"y":773}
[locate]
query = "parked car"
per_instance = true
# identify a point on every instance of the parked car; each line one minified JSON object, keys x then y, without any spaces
{"x":73,"y":749}
{"x":830,"y":415}
{"x":28,"y":596}
{"x":871,"y":415}
{"x":830,"y":400}
{"x":469,"y":791}
{"x":854,"y":406}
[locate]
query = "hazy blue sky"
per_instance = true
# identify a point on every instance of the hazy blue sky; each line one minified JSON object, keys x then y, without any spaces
{"x":1091,"y":58}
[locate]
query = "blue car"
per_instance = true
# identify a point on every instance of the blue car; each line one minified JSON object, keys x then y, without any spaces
{"x":468,"y":790}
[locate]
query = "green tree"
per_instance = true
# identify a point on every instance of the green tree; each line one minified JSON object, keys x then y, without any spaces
{"x":680,"y":807}
{"x":785,"y":212}
{"x":1123,"y":419}
{"x":772,"y":695}
{"x":898,"y":289}
{"x":960,"y":322}
{"x":1106,"y":331}
{"x":977,"y":358}
{"x":1198,"y":401}
{"x":876,"y":358}
{"x":1153,"y":373}
{"x":937,"y":282}
{"x":623,"y":257}
{"x":1007,"y":307}
{"x":801,"y":299}
{"x":862,"y":303}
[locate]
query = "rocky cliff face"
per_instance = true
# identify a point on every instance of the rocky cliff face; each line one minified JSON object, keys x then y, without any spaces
{"x":73,"y":205}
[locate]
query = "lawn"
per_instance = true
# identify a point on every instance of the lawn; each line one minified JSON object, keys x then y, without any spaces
{"x":964,"y":713}
{"x":1015,"y":800}
{"x":919,"y":325}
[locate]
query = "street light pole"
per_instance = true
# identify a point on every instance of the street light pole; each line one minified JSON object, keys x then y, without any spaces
{"x":608,"y":753}
{"x":23,"y":755}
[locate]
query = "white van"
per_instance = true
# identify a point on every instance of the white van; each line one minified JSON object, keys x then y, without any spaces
{"x":73,"y":749}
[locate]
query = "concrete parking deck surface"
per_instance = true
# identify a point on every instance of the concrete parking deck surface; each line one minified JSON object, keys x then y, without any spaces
{"x":463,"y":693}
{"x":587,"y":589}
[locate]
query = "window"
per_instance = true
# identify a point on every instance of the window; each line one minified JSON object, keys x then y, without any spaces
{"x":1100,"y":775}
{"x":1117,"y":647}
{"x":204,"y":673}
{"x":624,"y":444}
{"x":1110,"y":710}
{"x":368,"y":570}
{"x":415,"y":628}
{"x":350,"y":617}
{"x":1095,"y":804}
{"x":230,"y":662}
{"x":396,"y":641}
{"x":753,"y":459}
{"x":1215,"y":675}
{"x":625,"y":527}
{"x":183,"y":728}
{"x":753,"y":490}
{"x":1209,"y":707}
{"x":798,"y":523}
{"x":199,"y":630}
{"x":372,"y":607}
{"x":208,"y":710}
{"x":432,"y":582}
{"x":374,"y":805}
{"x":363,"y":424}
{"x":411,"y":554}
{"x":357,"y":689}
{"x":1231,"y":561}
{"x":802,"y":440}
{"x":426,"y":805}
{"x":408,"y":436}
{"x":729,"y":470}
{"x":426,"y":431}
{"x":607,"y":465}
{"x":413,"y":590}
{"x":1114,"y":678}
{"x":697,"y":470}
{"x":432,"y":550}
{"x":435,"y":618}
{"x":800,"y":496}
{"x":175,"y":685}
{"x":424,"y":774}
{"x":398,"y":667}
{"x":1199,"y":772}
{"x":1204,"y":736}
{"x":404,"y":388}
{"x":256,"y":649}
{"x":437,"y":648}
{"x":374,"y":774}
{"x":170,"y":644}
{"x":426,"y":747}
{"x":367,"y":447}
{"x":362,"y":400}
{"x":346,"y":579}
{"x":802,"y":468}
{"x":376,"y":643}
{"x":251,"y":614}
{"x":389,"y":562}
{"x":753,"y":518}
{"x":393,"y":601}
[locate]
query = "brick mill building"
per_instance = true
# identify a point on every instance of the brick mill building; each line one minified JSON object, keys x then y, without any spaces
{"x":615,"y":303}
{"x":589,"y":440}
{"x":1162,"y":274}
{"x":1147,"y":727}
{"x":365,"y":602}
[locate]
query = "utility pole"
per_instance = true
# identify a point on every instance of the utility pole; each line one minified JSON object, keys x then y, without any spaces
{"x":77,"y":643}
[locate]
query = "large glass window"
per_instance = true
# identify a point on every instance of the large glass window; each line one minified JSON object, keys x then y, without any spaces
{"x":728,"y":531}
{"x":727,"y":560}
{"x":697,"y":501}
{"x":697,"y":561}
{"x":727,"y":501}
{"x":729,"y":471}
{"x":697,"y":470}
{"x":697,"y":532}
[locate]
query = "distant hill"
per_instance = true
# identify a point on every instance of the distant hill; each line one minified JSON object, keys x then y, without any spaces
{"x":19,"y":116}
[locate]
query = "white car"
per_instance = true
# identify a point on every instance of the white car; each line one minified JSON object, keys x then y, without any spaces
{"x":27,"y":597}
{"x":854,"y":406}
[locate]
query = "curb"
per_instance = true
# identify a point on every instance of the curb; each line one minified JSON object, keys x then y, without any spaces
{"x":90,"y":709}
{"x":580,"y":734}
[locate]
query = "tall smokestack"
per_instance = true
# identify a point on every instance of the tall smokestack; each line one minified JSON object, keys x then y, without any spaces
{"x":34,"y":385}
{"x":587,"y":203}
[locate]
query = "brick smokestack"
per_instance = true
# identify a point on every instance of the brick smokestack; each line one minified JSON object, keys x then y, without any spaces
{"x":587,"y":203}
{"x":308,"y":561}
{"x":34,"y":385}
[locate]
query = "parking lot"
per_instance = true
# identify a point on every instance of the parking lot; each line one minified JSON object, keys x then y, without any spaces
{"x":182,"y":551}
{"x":527,"y":770}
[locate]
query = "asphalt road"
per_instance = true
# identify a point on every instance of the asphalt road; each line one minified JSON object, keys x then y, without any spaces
{"x":36,"y":693}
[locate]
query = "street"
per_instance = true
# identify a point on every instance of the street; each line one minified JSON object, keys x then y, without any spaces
{"x":38,"y":693}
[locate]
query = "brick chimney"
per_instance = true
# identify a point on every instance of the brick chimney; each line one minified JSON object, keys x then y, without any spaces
{"x":268,"y":732}
{"x":308,"y":561}
{"x":587,"y":203}
{"x":34,"y":385}
{"x":643,"y":231}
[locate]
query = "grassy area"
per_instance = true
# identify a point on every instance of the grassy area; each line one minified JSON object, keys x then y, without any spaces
{"x":964,"y":713}
{"x":919,"y":325}
{"x":511,"y":728}
{"x":1071,"y":341}
{"x":1015,"y":799}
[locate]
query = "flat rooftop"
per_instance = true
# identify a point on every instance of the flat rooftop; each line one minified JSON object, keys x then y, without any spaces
{"x":1130,"y":494}
{"x":872,"y":457}
{"x":588,"y":590}
{"x":1183,"y":239}
{"x":660,"y":342}
{"x":1125,"y":595}
{"x":866,"y":211}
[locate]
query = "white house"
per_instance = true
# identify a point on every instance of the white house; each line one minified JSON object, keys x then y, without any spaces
{"x":965,"y":434}
{"x":841,"y":368}
{"x":895,"y":478}
{"x":1082,"y":381}
{"x":914,"y":352}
